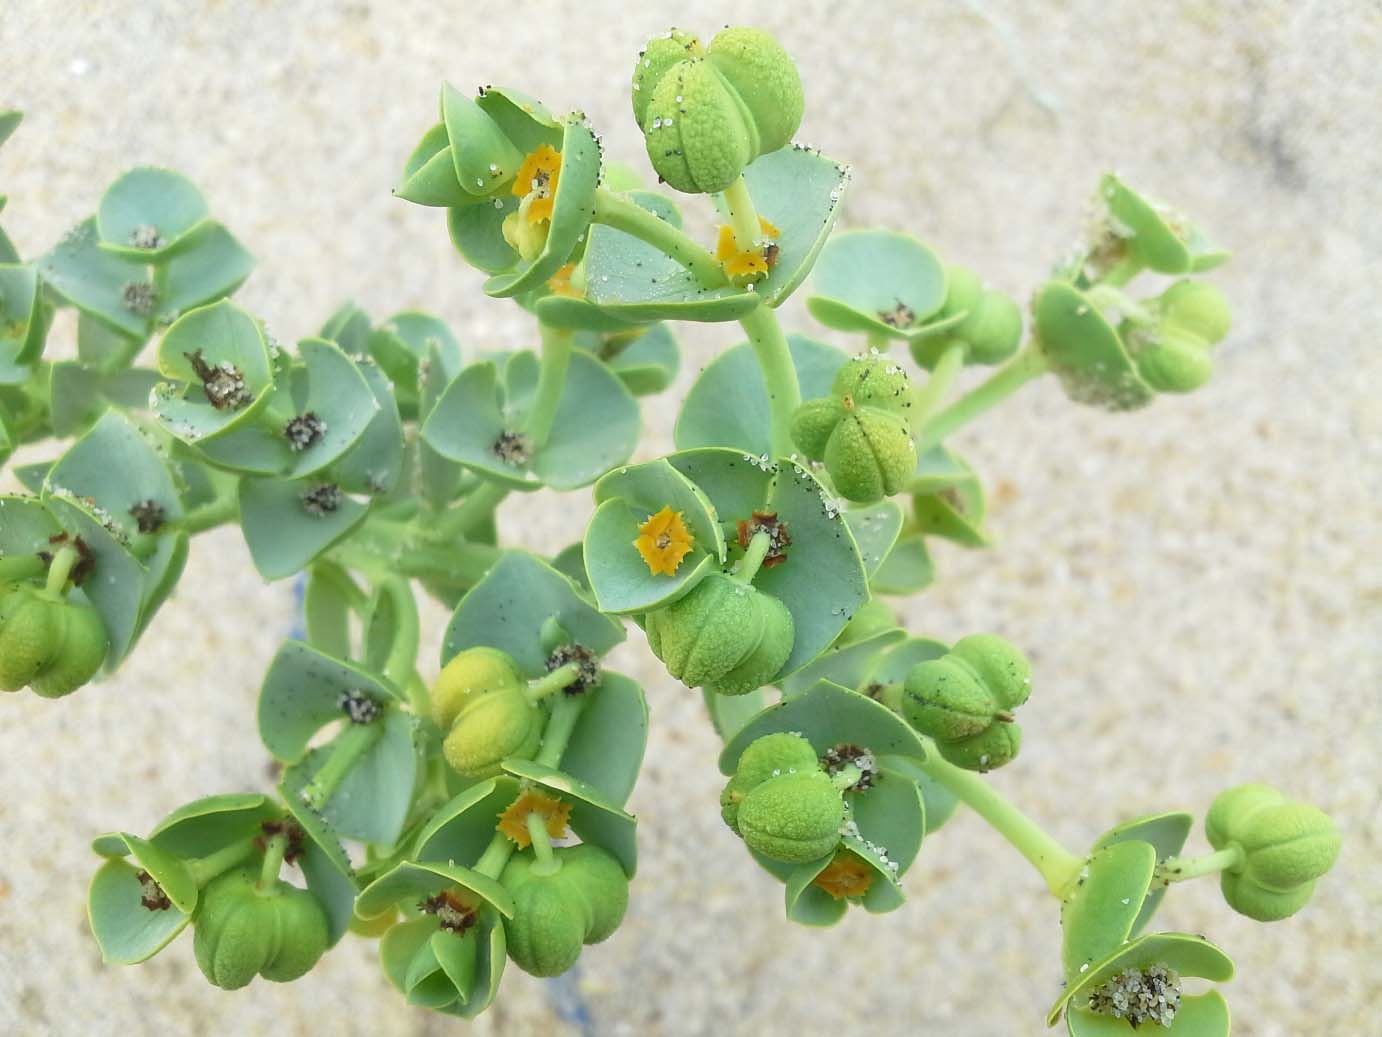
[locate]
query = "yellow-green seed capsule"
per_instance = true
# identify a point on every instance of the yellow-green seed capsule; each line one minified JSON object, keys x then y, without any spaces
{"x":302,"y":934}
{"x":723,"y":630}
{"x":28,"y":628}
{"x":706,"y":115}
{"x":992,"y":330}
{"x":793,"y":818}
{"x":50,"y":643}
{"x":1169,"y":360}
{"x":767,"y":757}
{"x":1286,"y":847}
{"x":241,"y":931}
{"x":81,"y":645}
{"x":1198,"y":308}
{"x":550,"y":920}
{"x":870,"y":455}
{"x":471,"y":674}
{"x":601,"y":880}
{"x":489,"y":730}
{"x":874,"y":381}
{"x":813,"y":422}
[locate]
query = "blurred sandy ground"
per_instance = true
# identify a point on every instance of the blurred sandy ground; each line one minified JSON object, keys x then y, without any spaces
{"x":1198,"y":582}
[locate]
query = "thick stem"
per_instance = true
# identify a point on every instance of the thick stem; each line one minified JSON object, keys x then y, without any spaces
{"x":216,"y":512}
{"x":743,"y":217}
{"x":401,"y":662}
{"x":560,"y":725}
{"x":60,"y":568}
{"x":779,"y":374}
{"x":556,"y":358}
{"x":345,"y":752}
{"x":1180,"y":869}
{"x":274,"y":852}
{"x":204,"y":869}
{"x":1017,"y":372}
{"x":550,"y":683}
{"x":546,"y":863}
{"x":477,"y":506}
{"x":622,"y":214}
{"x":1057,"y":866}
{"x":496,"y":855}
{"x":753,"y":557}
{"x":949,"y":364}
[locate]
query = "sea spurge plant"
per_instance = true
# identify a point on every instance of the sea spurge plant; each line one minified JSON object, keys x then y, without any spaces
{"x":468,"y":810}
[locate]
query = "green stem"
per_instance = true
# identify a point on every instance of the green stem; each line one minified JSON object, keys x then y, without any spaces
{"x":60,"y":568}
{"x":546,"y":863}
{"x":496,"y":855}
{"x":345,"y":752}
{"x":401,"y":662}
{"x":846,"y":776}
{"x":949,"y":364}
{"x":216,"y":512}
{"x":1058,"y":866}
{"x":753,"y":557}
{"x":622,"y":214}
{"x":1122,"y":271}
{"x":779,"y":374}
{"x":1017,"y":372}
{"x":556,"y":358}
{"x":17,"y":568}
{"x":560,"y":725}
{"x":418,"y":699}
{"x":552,"y":682}
{"x":1180,"y":869}
{"x":274,"y":852}
{"x":204,"y":869}
{"x":477,"y":506}
{"x":743,"y":217}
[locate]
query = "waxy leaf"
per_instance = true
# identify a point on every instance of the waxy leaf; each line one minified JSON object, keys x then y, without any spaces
{"x":607,"y":745}
{"x":1167,"y":833}
{"x":1085,"y":352}
{"x":126,"y":931}
{"x":594,"y":816}
{"x":1097,"y":915}
{"x":288,"y":524}
{"x":147,"y":214}
{"x":877,"y":282}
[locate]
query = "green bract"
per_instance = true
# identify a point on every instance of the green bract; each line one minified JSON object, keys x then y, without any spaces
{"x":706,"y":114}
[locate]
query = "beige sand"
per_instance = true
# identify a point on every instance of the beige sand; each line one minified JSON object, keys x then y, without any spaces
{"x":1198,"y":583}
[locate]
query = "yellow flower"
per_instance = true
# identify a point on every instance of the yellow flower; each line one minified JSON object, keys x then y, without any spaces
{"x":847,"y":875}
{"x":562,"y":283}
{"x":513,"y":822}
{"x":536,"y":183}
{"x":748,"y":263}
{"x":664,"y":541}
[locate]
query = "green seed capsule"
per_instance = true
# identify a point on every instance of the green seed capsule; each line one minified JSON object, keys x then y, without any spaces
{"x":874,"y":381}
{"x":813,"y":422}
{"x":601,"y":880}
{"x":1286,"y":847}
{"x":708,"y":115}
{"x":870,"y":455}
{"x":1171,"y":360}
{"x":1003,"y":669}
{"x":28,"y":628}
{"x":722,"y":630}
{"x":992,"y":330}
{"x":947,"y":701}
{"x":764,"y":758}
{"x":1198,"y":308}
{"x":81,"y":645}
{"x":793,"y":818}
{"x":550,"y":920}
{"x":473,"y":673}
{"x":242,"y":931}
{"x":489,"y":730}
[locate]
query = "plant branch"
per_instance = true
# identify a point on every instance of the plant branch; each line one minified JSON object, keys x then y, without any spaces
{"x":1017,"y":372}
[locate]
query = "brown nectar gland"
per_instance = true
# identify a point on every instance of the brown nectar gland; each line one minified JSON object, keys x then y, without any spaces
{"x":223,"y":383}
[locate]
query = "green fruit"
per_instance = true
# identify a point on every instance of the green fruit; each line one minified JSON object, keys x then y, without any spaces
{"x":723,"y":630}
{"x":870,"y":455}
{"x":471,"y":674}
{"x":81,"y":648}
{"x":874,"y":380}
{"x":601,"y":880}
{"x":813,"y":422}
{"x":550,"y":920}
{"x":963,"y":290}
{"x":706,"y":116}
{"x":242,"y":931}
{"x":964,"y":700}
{"x":992,"y":330}
{"x":793,"y":818}
{"x":1198,"y":308}
{"x":1174,"y":361}
{"x":1286,"y":846}
{"x":489,"y":730}
{"x":764,"y":758}
{"x":28,"y":628}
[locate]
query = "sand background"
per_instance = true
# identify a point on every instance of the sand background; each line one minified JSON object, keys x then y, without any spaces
{"x":1198,"y":583}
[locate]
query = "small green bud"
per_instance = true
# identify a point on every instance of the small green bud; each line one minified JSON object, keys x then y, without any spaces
{"x":874,"y":380}
{"x":52,"y":644}
{"x":964,"y":701}
{"x":550,"y":920}
{"x":813,"y":422}
{"x":1286,"y":847}
{"x":708,"y":115}
{"x":489,"y":730}
{"x":1198,"y":308}
{"x":723,"y":634}
{"x":242,"y":931}
{"x":963,"y":290}
{"x":471,"y":674}
{"x":993,"y":328}
{"x":764,"y":758}
{"x":793,"y":818}
{"x":601,"y":880}
{"x":870,"y":455}
{"x":1169,"y":360}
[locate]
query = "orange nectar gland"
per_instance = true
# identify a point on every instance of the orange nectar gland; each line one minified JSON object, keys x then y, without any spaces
{"x":513,"y":822}
{"x":536,"y":183}
{"x":749,"y":263}
{"x":664,"y":541}
{"x":847,"y":875}
{"x":560,"y":283}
